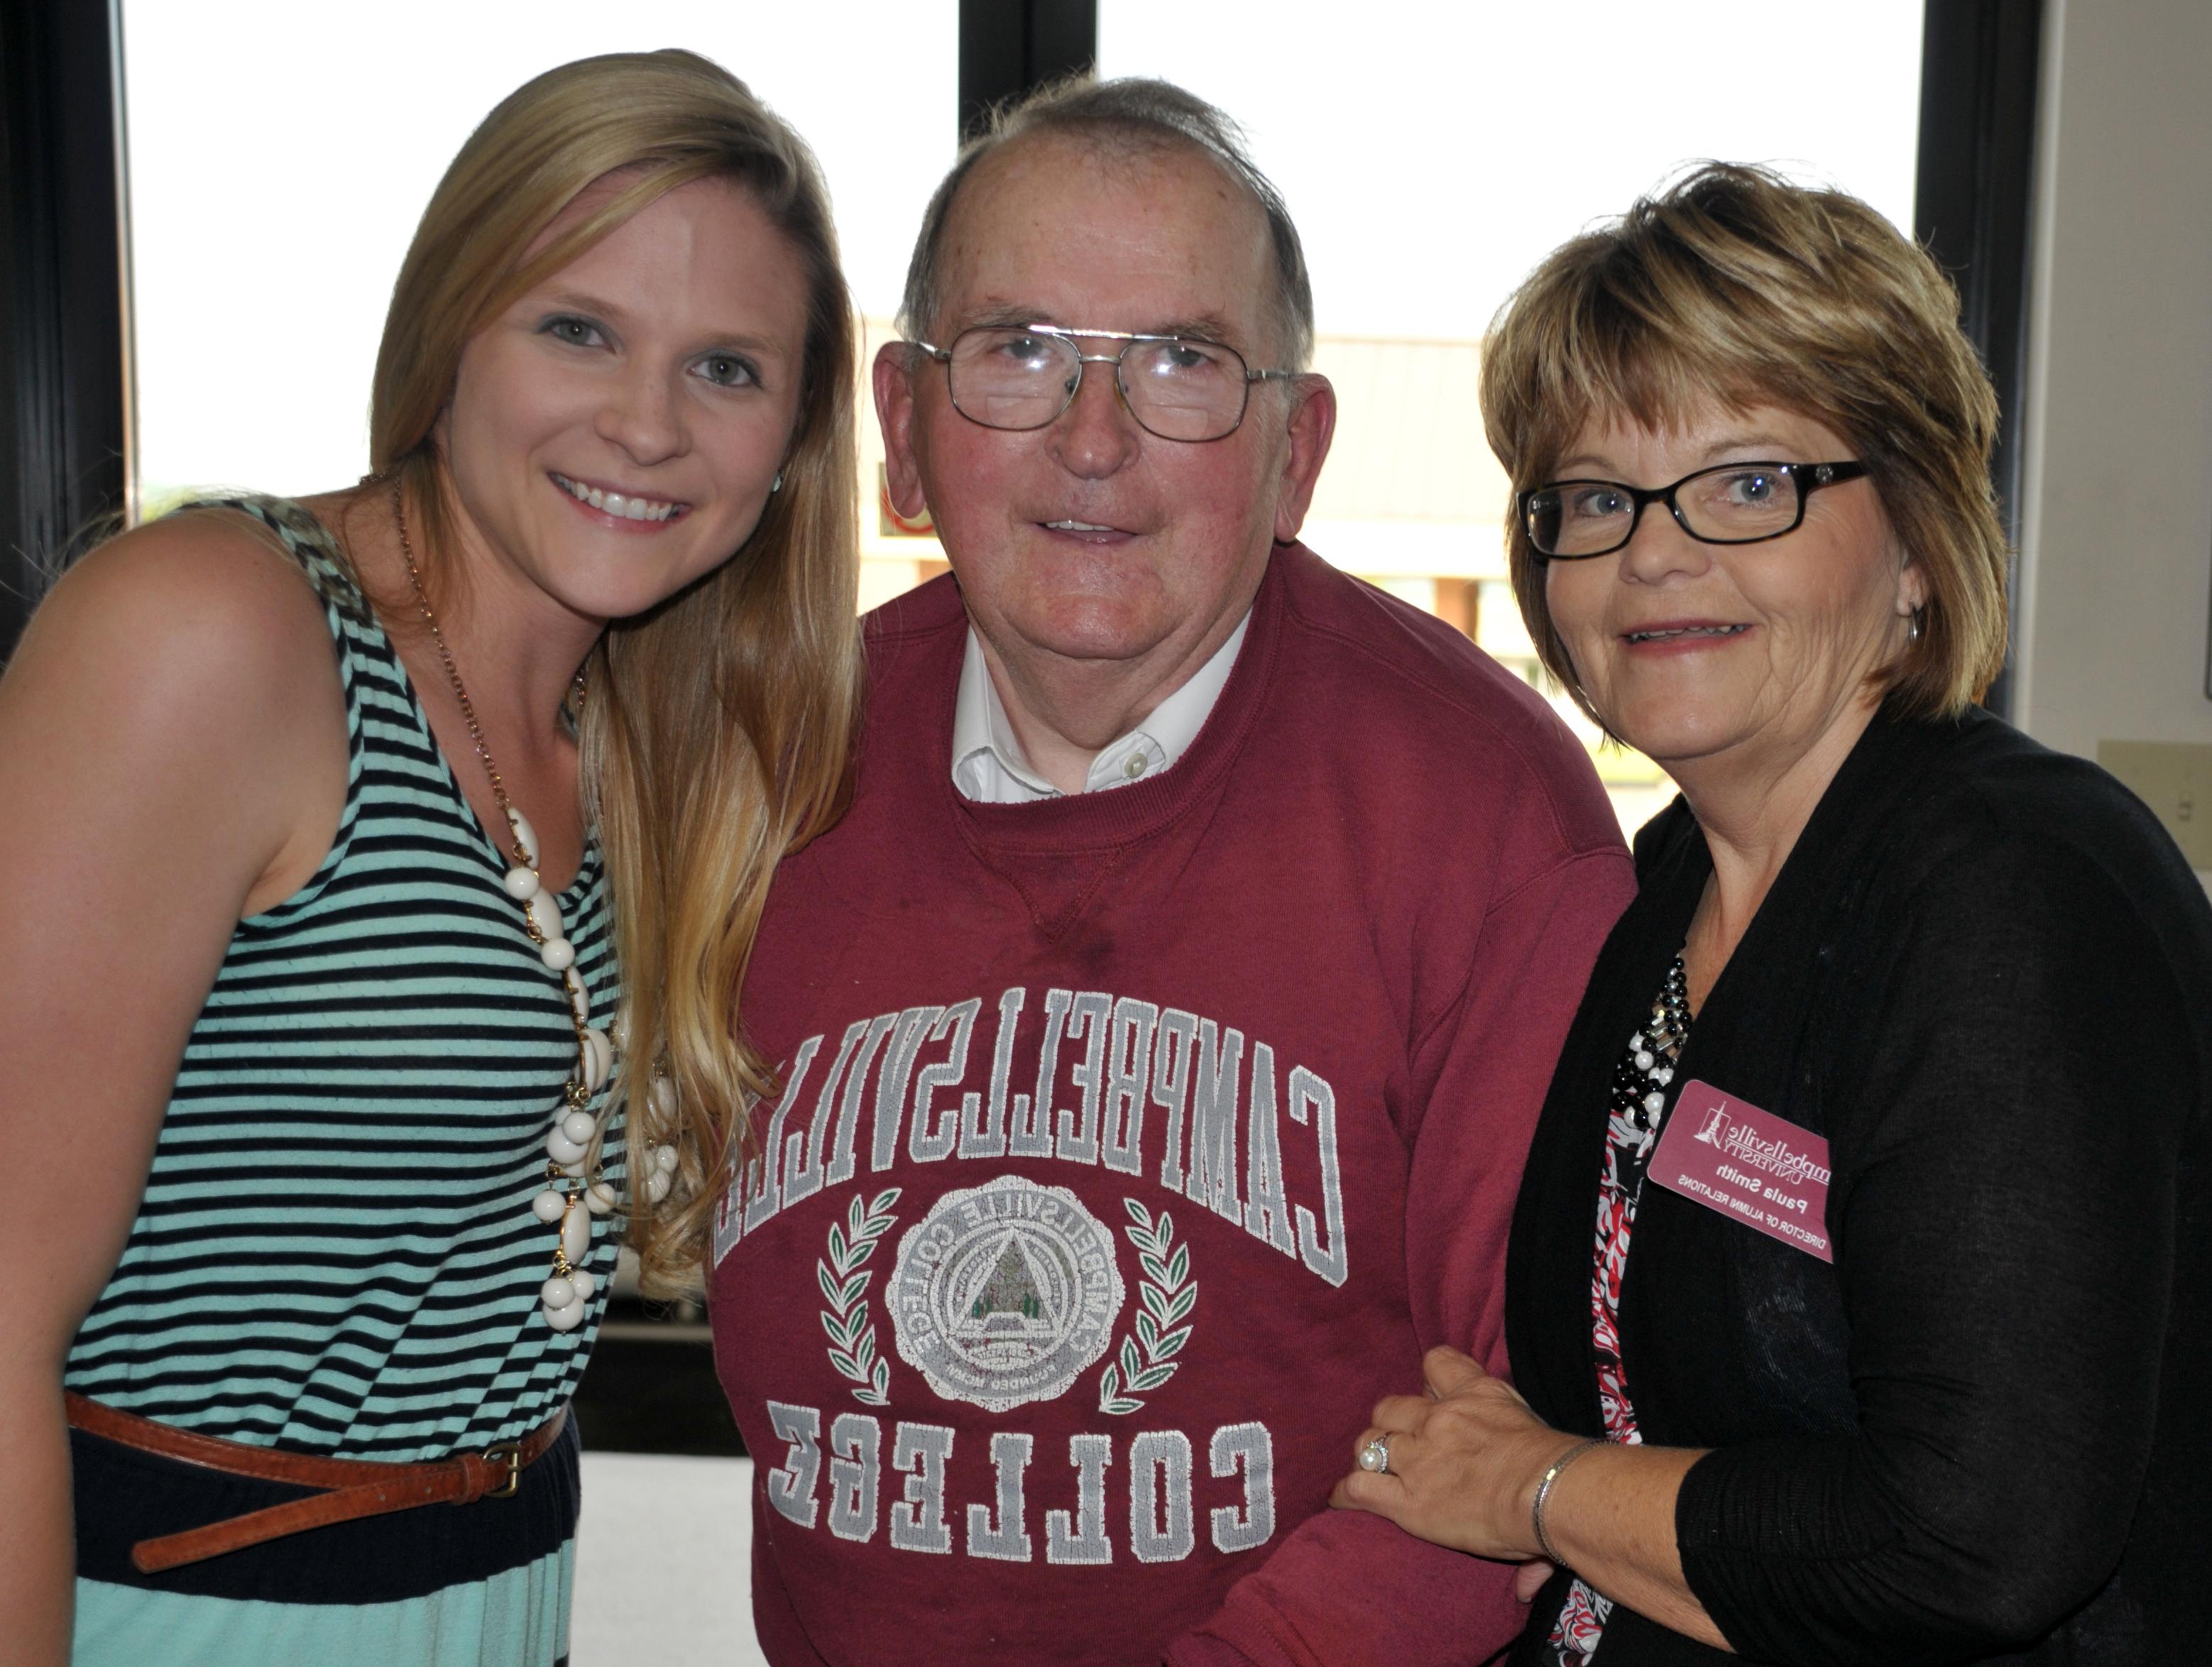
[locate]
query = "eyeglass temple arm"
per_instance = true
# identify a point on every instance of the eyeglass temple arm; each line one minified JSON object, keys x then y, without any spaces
{"x":1818,"y":475}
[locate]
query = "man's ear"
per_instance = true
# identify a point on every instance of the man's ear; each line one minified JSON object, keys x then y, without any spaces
{"x":894,"y":387}
{"x":1313,"y":425}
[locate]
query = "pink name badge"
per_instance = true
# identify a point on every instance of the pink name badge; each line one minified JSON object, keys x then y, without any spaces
{"x":1749,"y":1164}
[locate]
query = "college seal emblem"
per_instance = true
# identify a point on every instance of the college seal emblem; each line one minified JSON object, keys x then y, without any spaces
{"x":1003,"y":1293}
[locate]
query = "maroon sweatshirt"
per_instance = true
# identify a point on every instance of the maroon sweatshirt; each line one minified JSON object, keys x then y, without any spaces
{"x":1133,"y":1145}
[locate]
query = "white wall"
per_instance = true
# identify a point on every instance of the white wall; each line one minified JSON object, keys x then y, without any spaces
{"x":2117,"y":524}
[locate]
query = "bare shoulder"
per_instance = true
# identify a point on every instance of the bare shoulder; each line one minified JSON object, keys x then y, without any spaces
{"x":200,"y":566}
{"x":191,"y":660}
{"x":197,"y":615}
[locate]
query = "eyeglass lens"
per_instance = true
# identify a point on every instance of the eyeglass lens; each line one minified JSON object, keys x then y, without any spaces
{"x":1023,"y":378}
{"x":1732,"y":504}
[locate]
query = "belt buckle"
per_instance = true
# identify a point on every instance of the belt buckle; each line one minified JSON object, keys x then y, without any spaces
{"x":508,"y":1453}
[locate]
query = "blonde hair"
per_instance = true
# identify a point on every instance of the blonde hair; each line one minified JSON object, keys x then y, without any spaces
{"x":1735,"y":285}
{"x":715,"y":732}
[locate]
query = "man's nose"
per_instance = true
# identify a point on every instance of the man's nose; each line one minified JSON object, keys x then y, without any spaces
{"x":1096,"y":436}
{"x":642,"y":414}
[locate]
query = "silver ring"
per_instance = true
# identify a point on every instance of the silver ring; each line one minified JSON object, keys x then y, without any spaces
{"x":1375,"y":1457}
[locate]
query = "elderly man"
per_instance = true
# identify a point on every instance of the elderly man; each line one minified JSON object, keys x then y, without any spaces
{"x":1160,"y":1033}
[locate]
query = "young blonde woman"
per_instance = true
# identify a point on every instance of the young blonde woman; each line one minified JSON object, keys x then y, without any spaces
{"x":387,"y":864}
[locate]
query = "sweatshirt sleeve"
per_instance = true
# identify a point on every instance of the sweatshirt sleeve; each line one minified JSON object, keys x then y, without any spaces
{"x":2006,"y":1151}
{"x":1346,"y":1589}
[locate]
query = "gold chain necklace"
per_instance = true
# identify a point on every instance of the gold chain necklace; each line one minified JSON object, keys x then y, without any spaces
{"x":575,"y":1185}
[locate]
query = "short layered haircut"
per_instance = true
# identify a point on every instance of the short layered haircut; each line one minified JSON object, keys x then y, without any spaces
{"x":1131,"y":116}
{"x":1735,"y":287}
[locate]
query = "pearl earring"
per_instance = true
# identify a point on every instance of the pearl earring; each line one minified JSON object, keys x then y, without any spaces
{"x":776,"y":485}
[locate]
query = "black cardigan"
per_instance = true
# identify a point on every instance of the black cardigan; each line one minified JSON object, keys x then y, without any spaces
{"x":1985,"y":975}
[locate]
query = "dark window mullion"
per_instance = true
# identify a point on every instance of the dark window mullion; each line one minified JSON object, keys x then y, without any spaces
{"x":1974,"y":202}
{"x":63,"y":368}
{"x":1009,"y":46}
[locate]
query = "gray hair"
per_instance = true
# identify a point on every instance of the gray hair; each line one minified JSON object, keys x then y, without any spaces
{"x":1137,"y":114}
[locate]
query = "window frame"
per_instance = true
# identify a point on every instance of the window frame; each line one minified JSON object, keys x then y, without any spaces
{"x":66,"y":383}
{"x":1973,"y":202}
{"x":66,"y":380}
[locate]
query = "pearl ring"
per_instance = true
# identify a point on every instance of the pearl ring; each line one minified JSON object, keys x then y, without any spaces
{"x":1375,"y":1457}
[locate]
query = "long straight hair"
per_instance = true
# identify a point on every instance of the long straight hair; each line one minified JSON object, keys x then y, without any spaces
{"x":715,"y":732}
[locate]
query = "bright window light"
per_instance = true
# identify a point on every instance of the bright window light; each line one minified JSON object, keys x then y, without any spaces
{"x":280,"y":155}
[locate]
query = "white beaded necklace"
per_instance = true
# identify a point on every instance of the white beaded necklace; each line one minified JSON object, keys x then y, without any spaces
{"x":575,"y":1185}
{"x":1653,"y":1051}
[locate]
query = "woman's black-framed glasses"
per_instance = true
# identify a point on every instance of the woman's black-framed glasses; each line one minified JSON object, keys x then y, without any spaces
{"x":1731,"y":503}
{"x":1023,"y":376}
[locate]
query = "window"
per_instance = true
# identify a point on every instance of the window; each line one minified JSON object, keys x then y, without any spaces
{"x":1431,"y":155}
{"x":272,"y":200}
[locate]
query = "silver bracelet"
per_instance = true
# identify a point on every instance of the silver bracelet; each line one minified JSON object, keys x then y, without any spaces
{"x":1544,"y":1493}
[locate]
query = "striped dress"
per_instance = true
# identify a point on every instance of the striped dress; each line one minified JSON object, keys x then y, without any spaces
{"x":336,"y":1252}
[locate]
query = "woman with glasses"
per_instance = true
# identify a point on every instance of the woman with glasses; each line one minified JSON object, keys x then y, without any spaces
{"x":1858,"y":1281}
{"x":386,"y":863}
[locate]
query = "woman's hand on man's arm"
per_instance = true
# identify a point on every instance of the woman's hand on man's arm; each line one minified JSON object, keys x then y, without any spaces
{"x":1466,"y":1460}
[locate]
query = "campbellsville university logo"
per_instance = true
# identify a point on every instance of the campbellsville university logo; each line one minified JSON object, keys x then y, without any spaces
{"x":1004,"y":1292}
{"x":1743,"y":1142}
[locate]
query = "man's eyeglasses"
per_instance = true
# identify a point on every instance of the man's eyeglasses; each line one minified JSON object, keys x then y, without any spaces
{"x":1733,"y":504}
{"x":1023,"y":376}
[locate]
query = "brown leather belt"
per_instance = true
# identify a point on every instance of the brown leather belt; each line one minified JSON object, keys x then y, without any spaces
{"x":353,"y":1486}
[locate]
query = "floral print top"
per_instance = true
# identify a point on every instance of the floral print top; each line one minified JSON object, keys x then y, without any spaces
{"x":1640,"y":1081}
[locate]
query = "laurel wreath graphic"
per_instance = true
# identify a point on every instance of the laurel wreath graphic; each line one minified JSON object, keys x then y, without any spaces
{"x":1168,"y":1294}
{"x":843,"y":1277}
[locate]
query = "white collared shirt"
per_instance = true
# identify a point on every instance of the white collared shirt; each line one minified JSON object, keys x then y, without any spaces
{"x":990,"y":766}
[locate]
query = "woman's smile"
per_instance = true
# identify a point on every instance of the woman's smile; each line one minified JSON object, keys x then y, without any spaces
{"x":1681,"y":636}
{"x":630,"y":509}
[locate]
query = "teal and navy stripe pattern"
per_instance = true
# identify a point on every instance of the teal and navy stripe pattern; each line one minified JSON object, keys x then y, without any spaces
{"x":336,"y":1250}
